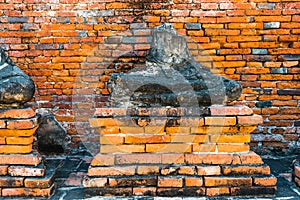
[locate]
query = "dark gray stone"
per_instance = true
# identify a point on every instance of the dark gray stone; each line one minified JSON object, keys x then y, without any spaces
{"x":279,"y":71}
{"x":259,"y":51}
{"x":193,"y":26}
{"x":172,"y":77}
{"x":263,"y":104}
{"x":16,"y":88}
{"x":17,"y":19}
{"x":270,"y":25}
{"x":51,"y":135}
{"x":289,"y":92}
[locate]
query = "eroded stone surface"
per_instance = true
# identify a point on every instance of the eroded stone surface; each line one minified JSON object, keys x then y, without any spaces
{"x":172,"y":77}
{"x":16,"y":88}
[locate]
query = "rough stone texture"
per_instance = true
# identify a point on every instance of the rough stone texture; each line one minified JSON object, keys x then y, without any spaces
{"x":16,"y":88}
{"x":50,"y":134}
{"x":172,"y":77}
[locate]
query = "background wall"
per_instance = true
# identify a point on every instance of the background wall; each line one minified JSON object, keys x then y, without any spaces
{"x":70,"y":48}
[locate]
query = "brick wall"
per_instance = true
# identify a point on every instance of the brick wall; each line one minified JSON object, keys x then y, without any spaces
{"x":71,"y":47}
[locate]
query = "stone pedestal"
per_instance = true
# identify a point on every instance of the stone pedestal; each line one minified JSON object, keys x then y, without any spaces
{"x":22,"y":170}
{"x":177,"y":152}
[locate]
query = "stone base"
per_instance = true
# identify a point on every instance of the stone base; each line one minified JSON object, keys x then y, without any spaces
{"x":179,"y":175}
{"x":297,"y":173}
{"x":177,"y":152}
{"x":22,"y":171}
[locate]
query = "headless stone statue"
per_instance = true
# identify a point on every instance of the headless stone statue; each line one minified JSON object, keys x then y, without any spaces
{"x":172,"y":77}
{"x":16,"y":88}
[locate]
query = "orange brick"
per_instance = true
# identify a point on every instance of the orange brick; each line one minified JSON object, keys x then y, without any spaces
{"x":214,"y":130}
{"x":110,"y":130}
{"x":204,"y":147}
{"x":189,"y":138}
{"x":208,"y":170}
{"x":247,"y":129}
{"x":193,"y":182}
{"x":265,"y":181}
{"x":111,"y":171}
{"x":28,"y":192}
{"x":22,"y":124}
{"x":146,"y":170}
{"x":131,"y":130}
{"x":231,"y":147}
{"x":122,"y":148}
{"x":216,"y":159}
{"x":111,"y":140}
{"x":186,"y":170}
{"x":10,"y":149}
{"x":19,"y":140}
{"x":230,"y":138}
{"x":168,"y":148}
{"x":103,"y":160}
{"x":251,"y":158}
{"x":220,"y":121}
{"x":154,"y":129}
{"x":170,"y":182}
{"x":148,"y":139}
{"x":21,"y":113}
{"x":178,"y":130}
{"x":40,"y":182}
{"x":175,"y":158}
{"x":3,"y":170}
{"x":217,"y":191}
{"x":227,"y":181}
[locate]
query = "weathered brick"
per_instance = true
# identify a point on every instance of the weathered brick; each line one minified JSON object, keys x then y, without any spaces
{"x":146,"y":170}
{"x":265,"y":181}
{"x":246,"y":170}
{"x":22,"y":124}
{"x":208,"y":170}
{"x":144,"y":191}
{"x":227,"y":181}
{"x":21,"y":113}
{"x":230,"y":110}
{"x":208,"y":159}
{"x":249,"y":120}
{"x":28,"y":192}
{"x":218,"y":121}
{"x":169,"y":182}
{"x":148,"y":139}
{"x":26,"y":171}
{"x":220,"y":191}
{"x":138,"y":159}
{"x":132,"y":148}
{"x":94,"y":182}
{"x":7,"y":181}
{"x":251,"y":158}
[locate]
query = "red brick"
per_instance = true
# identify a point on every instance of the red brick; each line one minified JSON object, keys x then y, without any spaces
{"x":29,"y":159}
{"x":297,"y":171}
{"x":186,"y":170}
{"x":170,"y":182}
{"x":172,"y":158}
{"x":230,"y":110}
{"x":232,"y":148}
{"x":21,"y":113}
{"x":227,"y":181}
{"x":249,"y":120}
{"x":111,"y":171}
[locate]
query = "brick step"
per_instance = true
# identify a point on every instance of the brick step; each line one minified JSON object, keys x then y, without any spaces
{"x":197,"y":170}
{"x":33,"y":158}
